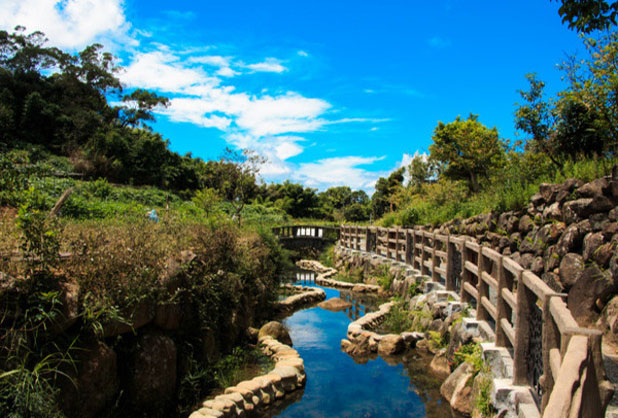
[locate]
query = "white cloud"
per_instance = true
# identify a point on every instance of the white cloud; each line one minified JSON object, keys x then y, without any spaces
{"x":302,"y":53}
{"x":270,"y":65}
{"x":339,"y":171}
{"x":70,"y":23}
{"x":162,"y":71}
{"x":216,"y":60}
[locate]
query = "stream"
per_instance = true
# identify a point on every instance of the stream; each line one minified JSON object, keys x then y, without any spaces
{"x":337,"y":386}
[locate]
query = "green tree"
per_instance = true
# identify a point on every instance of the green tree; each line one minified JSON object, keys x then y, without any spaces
{"x":385,"y":190}
{"x":420,"y":171}
{"x":241,"y":170}
{"x":207,"y":199}
{"x":140,"y":104}
{"x":588,"y":15}
{"x":466,"y":150}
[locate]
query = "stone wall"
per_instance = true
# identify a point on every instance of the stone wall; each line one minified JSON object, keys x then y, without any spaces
{"x":568,"y":236}
{"x":251,"y":396}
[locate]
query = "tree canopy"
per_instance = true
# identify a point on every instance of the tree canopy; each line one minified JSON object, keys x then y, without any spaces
{"x":588,"y":15}
{"x":466,"y":150}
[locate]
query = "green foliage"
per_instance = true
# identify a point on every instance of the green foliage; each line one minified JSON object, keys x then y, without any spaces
{"x":415,"y":289}
{"x":207,"y":199}
{"x":482,"y":401}
{"x":232,"y":369}
{"x":353,"y":275}
{"x":466,"y":150}
{"x":588,"y":15}
{"x":471,"y":353}
{"x":398,"y":319}
{"x":327,"y":257}
{"x":40,"y":244}
{"x":385,"y":197}
{"x":384,"y":276}
{"x":437,"y":340}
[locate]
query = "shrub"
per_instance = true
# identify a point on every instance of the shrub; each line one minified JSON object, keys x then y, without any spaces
{"x":398,"y":319}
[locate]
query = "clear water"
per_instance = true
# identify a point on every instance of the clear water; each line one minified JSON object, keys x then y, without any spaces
{"x":337,"y":386}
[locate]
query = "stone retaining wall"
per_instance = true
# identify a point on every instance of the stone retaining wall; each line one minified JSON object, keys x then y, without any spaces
{"x":247,"y":397}
{"x":307,"y":296}
{"x":325,"y":272}
{"x":442,"y":309}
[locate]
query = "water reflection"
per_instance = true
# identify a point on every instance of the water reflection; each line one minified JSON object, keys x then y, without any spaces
{"x":338,"y":386}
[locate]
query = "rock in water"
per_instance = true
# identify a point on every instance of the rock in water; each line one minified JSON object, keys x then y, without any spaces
{"x":335,"y":304}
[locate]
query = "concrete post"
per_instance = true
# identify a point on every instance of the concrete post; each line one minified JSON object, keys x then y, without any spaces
{"x":450,"y":264}
{"x":525,"y":300}
{"x":481,"y":287}
{"x":501,"y":306}
{"x":435,"y":276}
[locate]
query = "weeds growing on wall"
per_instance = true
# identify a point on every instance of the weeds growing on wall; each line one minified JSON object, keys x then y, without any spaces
{"x":398,"y":319}
{"x":508,"y":189}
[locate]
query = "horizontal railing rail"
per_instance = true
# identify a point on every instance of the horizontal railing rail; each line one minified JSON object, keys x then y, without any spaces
{"x":307,"y":231}
{"x":528,"y":317}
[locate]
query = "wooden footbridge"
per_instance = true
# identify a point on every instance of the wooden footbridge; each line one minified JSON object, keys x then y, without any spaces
{"x":295,"y":237}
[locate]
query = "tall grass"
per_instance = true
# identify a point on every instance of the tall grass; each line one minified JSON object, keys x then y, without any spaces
{"x":510,"y":188}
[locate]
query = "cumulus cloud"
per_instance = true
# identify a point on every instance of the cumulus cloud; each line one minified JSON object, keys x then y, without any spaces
{"x":339,"y":171}
{"x":69,"y":24}
{"x":270,"y":65}
{"x":161,"y":70}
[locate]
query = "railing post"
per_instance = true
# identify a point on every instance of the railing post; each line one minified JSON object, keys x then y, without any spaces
{"x":423,"y":268}
{"x":450,"y":264}
{"x":409,"y":247}
{"x":463,"y":295}
{"x":435,"y":276}
{"x":522,"y":332}
{"x":551,"y":339}
{"x":501,"y":308}
{"x":481,"y":287}
{"x":396,"y":244}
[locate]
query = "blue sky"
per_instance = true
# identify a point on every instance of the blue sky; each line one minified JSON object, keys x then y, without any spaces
{"x":330,"y":92}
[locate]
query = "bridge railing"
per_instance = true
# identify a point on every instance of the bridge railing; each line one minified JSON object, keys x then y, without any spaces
{"x":307,"y":231}
{"x":528,"y":317}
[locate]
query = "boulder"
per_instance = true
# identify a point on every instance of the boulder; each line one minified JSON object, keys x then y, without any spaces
{"x":553,"y":211}
{"x":603,"y":254}
{"x":277,"y":331}
{"x":525,"y":224}
{"x":439,"y":365}
{"x":597,"y":187}
{"x":507,"y":222}
{"x":549,"y":191}
{"x":592,"y":241}
{"x":153,"y":372}
{"x":97,"y":382}
{"x":335,"y":304}
{"x":537,"y":266}
{"x":553,"y":281}
{"x":391,"y":344}
{"x":609,"y":230}
{"x":168,"y":316}
{"x":592,"y":290}
{"x":551,"y":259}
{"x":570,"y":241}
{"x":252,"y":335}
{"x":457,"y":388}
{"x":576,"y":210}
{"x":138,"y":316}
{"x":571,"y":269}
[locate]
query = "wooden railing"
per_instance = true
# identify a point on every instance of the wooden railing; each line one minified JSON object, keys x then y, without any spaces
{"x":528,"y":317}
{"x":307,"y":231}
